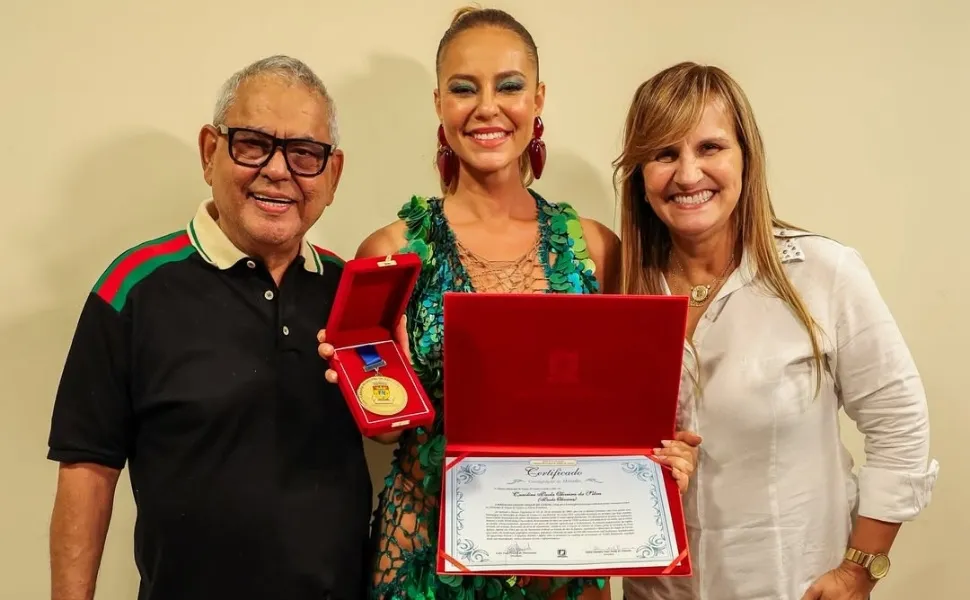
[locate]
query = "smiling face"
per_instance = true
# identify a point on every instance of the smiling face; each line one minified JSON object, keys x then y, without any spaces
{"x":269,"y":209}
{"x":694,"y":186}
{"x":487,"y":99}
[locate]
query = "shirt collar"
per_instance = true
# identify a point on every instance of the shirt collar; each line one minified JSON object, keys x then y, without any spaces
{"x":789,"y":250}
{"x":213,"y":245}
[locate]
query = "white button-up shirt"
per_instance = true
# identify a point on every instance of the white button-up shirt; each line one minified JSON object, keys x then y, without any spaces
{"x":774,"y":496}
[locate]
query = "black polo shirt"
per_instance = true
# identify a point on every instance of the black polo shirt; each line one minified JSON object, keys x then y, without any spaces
{"x":193,"y":368}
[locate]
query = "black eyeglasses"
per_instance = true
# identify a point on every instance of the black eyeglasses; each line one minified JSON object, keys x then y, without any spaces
{"x":253,"y":148}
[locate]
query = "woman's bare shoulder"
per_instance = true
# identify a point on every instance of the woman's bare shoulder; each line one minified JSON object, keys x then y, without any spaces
{"x":599,"y":235}
{"x":389,"y":239}
{"x":604,"y":249}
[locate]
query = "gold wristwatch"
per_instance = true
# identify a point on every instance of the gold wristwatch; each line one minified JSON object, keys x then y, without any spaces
{"x":877,"y":565}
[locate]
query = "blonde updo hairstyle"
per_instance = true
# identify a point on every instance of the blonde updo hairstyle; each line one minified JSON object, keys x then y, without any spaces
{"x":471,"y":17}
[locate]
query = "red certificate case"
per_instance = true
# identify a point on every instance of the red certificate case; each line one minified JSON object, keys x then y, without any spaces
{"x":371,"y":298}
{"x":550,"y":375}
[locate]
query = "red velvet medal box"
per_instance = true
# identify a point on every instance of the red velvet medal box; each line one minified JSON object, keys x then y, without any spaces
{"x":553,"y":375}
{"x":371,"y":297}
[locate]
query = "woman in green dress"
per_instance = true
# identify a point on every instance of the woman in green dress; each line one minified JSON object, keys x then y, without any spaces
{"x":486,"y":232}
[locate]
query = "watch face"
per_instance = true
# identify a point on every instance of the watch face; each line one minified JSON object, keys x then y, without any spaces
{"x":879,"y":566}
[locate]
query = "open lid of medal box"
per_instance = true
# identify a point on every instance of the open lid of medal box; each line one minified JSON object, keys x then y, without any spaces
{"x":552,"y":375}
{"x":371,"y":298}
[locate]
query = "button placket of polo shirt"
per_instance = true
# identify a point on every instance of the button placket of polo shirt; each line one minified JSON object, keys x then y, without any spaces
{"x":288,"y":334}
{"x":268,"y":293}
{"x":265,"y":287}
{"x":282,"y":311}
{"x":279,"y":322}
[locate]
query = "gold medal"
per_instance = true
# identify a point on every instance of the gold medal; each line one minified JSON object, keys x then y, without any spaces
{"x":382,"y":395}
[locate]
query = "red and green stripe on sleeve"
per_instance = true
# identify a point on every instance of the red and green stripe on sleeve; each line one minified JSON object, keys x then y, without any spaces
{"x":137,"y":263}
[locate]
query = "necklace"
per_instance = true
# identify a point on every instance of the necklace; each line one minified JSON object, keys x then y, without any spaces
{"x":700,"y":293}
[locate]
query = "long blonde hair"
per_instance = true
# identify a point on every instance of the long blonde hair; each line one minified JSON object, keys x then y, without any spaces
{"x":665,"y":109}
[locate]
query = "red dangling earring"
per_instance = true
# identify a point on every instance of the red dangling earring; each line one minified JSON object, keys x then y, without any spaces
{"x":537,"y":149}
{"x":447,"y":159}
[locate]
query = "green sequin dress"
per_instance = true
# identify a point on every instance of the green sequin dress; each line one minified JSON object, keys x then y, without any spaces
{"x":406,"y":520}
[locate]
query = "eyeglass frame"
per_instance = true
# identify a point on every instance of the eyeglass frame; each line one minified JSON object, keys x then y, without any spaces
{"x":278,"y":143}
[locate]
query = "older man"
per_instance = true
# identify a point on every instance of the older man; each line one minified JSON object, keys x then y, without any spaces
{"x":195,"y":363}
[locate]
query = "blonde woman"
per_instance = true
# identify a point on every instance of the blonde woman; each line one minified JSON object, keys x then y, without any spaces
{"x":487,"y":231}
{"x":786,"y":327}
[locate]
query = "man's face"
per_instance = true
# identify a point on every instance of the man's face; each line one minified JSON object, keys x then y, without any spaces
{"x":268,"y":209}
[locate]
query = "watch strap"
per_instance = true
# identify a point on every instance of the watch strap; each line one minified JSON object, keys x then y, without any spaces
{"x":859,"y":557}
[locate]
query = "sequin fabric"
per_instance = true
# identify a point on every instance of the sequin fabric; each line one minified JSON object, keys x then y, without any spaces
{"x":406,"y":519}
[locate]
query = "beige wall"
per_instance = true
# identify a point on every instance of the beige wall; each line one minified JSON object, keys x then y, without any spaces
{"x":863,"y":106}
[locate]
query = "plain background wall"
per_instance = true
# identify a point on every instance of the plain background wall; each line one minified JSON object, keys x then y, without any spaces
{"x":863,"y":107}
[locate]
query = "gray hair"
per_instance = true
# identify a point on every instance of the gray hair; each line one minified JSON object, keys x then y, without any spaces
{"x":291,"y":69}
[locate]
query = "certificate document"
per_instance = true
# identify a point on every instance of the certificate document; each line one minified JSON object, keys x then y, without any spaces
{"x":562,"y":513}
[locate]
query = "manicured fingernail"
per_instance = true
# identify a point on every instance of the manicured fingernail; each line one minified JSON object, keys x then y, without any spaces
{"x":666,"y":443}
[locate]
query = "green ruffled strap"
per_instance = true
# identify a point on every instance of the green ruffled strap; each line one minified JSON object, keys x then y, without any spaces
{"x":416,"y":214}
{"x":574,"y":270}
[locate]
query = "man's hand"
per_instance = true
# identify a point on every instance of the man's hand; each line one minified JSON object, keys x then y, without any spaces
{"x":326,"y":350}
{"x":848,"y":581}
